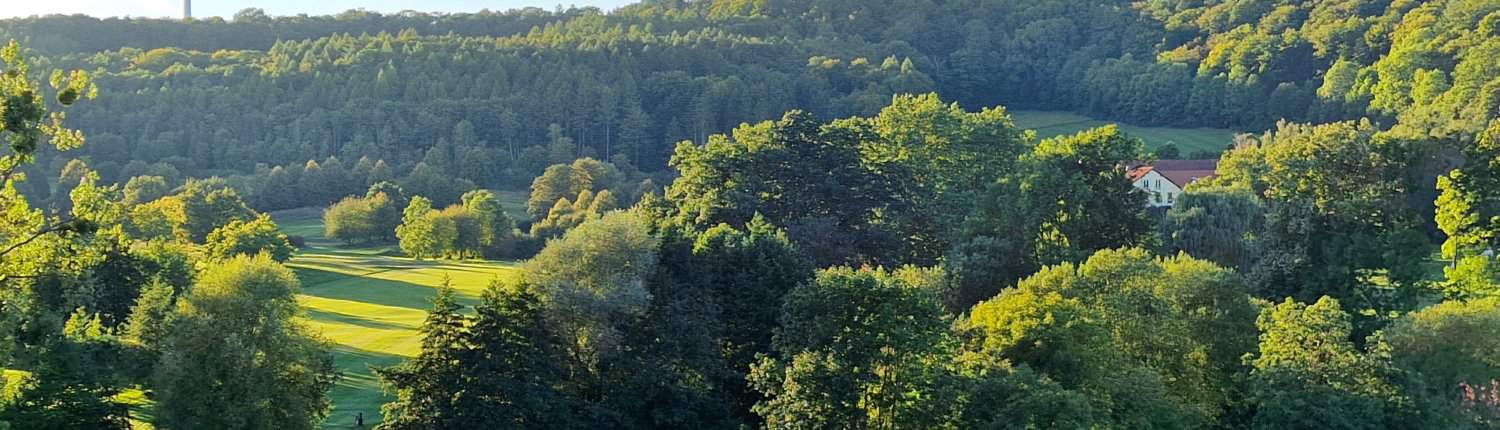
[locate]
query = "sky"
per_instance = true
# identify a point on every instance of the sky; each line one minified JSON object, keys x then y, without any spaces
{"x":227,"y":8}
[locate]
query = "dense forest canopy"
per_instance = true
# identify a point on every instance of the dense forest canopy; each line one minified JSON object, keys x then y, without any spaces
{"x":757,"y":213}
{"x":213,"y":97}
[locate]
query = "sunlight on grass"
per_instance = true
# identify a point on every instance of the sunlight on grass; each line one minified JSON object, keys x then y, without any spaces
{"x":370,"y":306}
{"x":141,"y":408}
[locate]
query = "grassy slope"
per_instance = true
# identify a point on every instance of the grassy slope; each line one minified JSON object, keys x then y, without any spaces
{"x":371,"y":305}
{"x":1050,"y":124}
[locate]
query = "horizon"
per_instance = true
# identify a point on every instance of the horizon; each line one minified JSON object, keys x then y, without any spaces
{"x":227,"y":8}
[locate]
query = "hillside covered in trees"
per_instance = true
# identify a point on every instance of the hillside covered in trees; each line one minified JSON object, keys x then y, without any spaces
{"x":780,"y":214}
{"x":494,"y":98}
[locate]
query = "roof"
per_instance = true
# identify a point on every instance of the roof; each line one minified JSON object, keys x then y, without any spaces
{"x":1180,"y":172}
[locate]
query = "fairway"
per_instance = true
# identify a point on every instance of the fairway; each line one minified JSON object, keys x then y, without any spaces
{"x":370,"y":305}
{"x":1051,"y":124}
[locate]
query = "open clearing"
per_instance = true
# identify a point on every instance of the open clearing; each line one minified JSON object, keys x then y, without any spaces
{"x":370,"y":305}
{"x":1051,"y":124}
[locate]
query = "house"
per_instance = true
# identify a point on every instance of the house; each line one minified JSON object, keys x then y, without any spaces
{"x":1163,"y":181}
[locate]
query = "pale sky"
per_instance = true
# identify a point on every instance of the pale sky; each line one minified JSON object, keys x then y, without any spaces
{"x":227,"y":8}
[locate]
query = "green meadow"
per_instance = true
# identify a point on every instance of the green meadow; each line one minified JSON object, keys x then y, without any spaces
{"x":1188,"y":140}
{"x":370,"y":304}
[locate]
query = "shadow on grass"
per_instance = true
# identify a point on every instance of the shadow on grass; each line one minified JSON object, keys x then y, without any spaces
{"x":383,"y":292}
{"x":330,"y":316}
{"x":359,"y":390}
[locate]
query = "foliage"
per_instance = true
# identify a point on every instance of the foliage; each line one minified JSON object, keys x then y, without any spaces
{"x":1216,"y":224}
{"x":1337,"y":222}
{"x":148,"y":318}
{"x":495,"y":369}
{"x":859,"y":349}
{"x":1065,"y":200}
{"x":143,"y":189}
{"x":362,"y":219}
{"x":37,"y":250}
{"x":590,"y":303}
{"x":1142,"y":340}
{"x":568,"y":214}
{"x":879,"y":189}
{"x":249,"y":238}
{"x":201,"y":207}
{"x":1466,"y":210}
{"x":1308,"y":373}
{"x":477,"y":228}
{"x":418,"y":230}
{"x":561,"y":181}
{"x":237,"y":355}
{"x":497,"y":231}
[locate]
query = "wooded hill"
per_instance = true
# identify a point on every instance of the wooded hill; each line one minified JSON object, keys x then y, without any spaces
{"x":537,"y":88}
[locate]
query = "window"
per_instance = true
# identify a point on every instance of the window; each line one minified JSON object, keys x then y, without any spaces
{"x":1169,"y":197}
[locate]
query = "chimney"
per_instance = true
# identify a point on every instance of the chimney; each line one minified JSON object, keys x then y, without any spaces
{"x":187,"y":10}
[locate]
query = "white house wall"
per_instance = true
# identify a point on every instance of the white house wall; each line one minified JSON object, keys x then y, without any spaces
{"x":1160,"y":192}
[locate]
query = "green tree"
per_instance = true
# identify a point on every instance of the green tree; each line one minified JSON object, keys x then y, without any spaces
{"x":1216,"y":224}
{"x":34,"y":245}
{"x":352,"y":220}
{"x":72,"y":174}
{"x":1068,"y":199}
{"x":497,"y":238}
{"x":204,"y":206}
{"x":1465,"y":209}
{"x":148,"y":318}
{"x":515,"y":370}
{"x":1147,"y":341}
{"x":1448,"y":361}
{"x":1308,"y":374}
{"x":237,"y":355}
{"x":1338,"y":222}
{"x":417,"y":231}
{"x":142,"y":189}
{"x":567,"y":180}
{"x":256,"y":236}
{"x":950,"y":154}
{"x":459,"y":231}
{"x":796,"y":173}
{"x":857,"y":349}
{"x":593,"y":280}
{"x":427,"y":387}
{"x":718,"y":295}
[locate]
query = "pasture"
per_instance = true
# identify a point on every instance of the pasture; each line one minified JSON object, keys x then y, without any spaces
{"x":1051,"y":124}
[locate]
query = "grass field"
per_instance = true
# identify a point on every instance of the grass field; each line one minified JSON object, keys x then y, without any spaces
{"x":370,"y":305}
{"x":1188,"y":140}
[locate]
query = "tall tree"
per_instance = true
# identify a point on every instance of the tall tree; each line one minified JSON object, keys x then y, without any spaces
{"x":857,"y":349}
{"x":1309,"y":375}
{"x":1337,"y":222}
{"x":1147,"y":341}
{"x":418,"y":230}
{"x":249,"y":238}
{"x":36,"y":245}
{"x":429,"y":387}
{"x":1067,"y":199}
{"x":237,"y":354}
{"x":1216,"y":224}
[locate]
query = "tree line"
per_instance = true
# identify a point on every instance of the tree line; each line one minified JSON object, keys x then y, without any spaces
{"x":177,"y":292}
{"x":537,"y":88}
{"x":1286,"y":293}
{"x":1002,"y":281}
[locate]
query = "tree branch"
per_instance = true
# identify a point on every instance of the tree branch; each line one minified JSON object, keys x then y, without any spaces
{"x":34,"y":236}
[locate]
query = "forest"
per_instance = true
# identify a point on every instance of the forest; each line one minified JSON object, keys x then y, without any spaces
{"x":729,"y":214}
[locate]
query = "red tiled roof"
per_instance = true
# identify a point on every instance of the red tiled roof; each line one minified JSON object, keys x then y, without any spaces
{"x":1180,"y":172}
